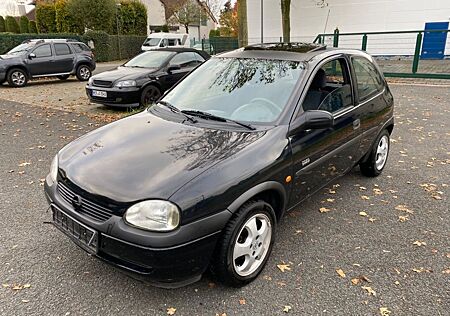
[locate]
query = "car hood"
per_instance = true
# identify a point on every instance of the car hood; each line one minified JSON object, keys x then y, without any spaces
{"x":12,"y":56}
{"x":145,"y":156}
{"x":124,"y":73}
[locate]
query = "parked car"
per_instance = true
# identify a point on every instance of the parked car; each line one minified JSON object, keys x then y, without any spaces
{"x":163,"y":40}
{"x":203,"y":177}
{"x":36,"y":58}
{"x":143,"y":79}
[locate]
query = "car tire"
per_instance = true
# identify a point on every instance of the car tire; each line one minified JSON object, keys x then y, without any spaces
{"x":83,"y":73}
{"x":63,"y":77}
{"x":240,"y":256}
{"x":150,"y":94}
{"x":375,"y":163}
{"x":17,"y":78}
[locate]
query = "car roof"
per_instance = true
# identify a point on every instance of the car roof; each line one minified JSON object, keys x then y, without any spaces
{"x":294,"y":51}
{"x":55,"y":40}
{"x":166,"y":35}
{"x":182,"y":50}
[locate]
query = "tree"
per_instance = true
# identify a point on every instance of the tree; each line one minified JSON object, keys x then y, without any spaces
{"x":132,"y":17}
{"x":32,"y":27}
{"x":229,"y":20}
{"x":45,"y":17}
{"x":93,"y":14}
{"x":242,"y":25}
{"x":187,"y":13}
{"x":23,"y":24}
{"x":215,"y":6}
{"x":2,"y":24}
{"x":65,"y":22}
{"x":286,"y":20}
{"x":11,"y":25}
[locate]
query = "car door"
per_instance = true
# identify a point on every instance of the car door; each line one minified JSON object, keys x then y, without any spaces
{"x":41,"y":61}
{"x":184,"y":62}
{"x":64,"y":58}
{"x":321,"y":155}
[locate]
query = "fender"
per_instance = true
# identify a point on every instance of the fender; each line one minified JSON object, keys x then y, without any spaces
{"x":389,"y":122}
{"x":269,"y":185}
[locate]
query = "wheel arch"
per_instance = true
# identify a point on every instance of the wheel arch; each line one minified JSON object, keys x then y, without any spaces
{"x":21,"y":67}
{"x":271,"y":192}
{"x":153,"y":83}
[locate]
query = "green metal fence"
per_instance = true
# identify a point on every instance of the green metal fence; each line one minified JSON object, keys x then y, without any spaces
{"x":397,"y":52}
{"x":216,"y":45}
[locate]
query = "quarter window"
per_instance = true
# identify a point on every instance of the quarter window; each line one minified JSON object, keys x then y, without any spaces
{"x":43,"y":51}
{"x":80,"y":47}
{"x":62,"y":49}
{"x":368,"y":79}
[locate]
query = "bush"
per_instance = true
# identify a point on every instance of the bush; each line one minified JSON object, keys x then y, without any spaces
{"x":9,"y":41}
{"x":46,"y":18}
{"x":132,"y":18}
{"x":23,"y":24}
{"x":2,"y":25}
{"x":32,"y":29}
{"x":214,"y":33}
{"x":93,"y":14}
{"x":65,"y":22}
{"x":11,"y":25}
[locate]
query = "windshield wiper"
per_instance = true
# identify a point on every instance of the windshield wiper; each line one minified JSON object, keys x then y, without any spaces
{"x":174,"y":109}
{"x":213,"y":117}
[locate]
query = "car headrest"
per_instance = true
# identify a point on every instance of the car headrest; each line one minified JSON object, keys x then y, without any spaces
{"x":320,"y":80}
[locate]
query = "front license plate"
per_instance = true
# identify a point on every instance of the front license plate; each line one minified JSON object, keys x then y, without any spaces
{"x":101,"y":94}
{"x":82,"y":235}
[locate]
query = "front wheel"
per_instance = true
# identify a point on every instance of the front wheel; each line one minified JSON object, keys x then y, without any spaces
{"x":83,"y":73}
{"x":243,"y":250}
{"x":150,"y":94}
{"x":17,"y":78}
{"x":378,"y":156}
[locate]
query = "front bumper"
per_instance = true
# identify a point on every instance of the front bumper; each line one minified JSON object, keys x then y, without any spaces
{"x":116,"y":97}
{"x":167,"y":260}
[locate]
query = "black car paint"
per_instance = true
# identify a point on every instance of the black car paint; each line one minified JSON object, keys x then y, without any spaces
{"x":208,"y":174}
{"x":162,"y":77}
{"x":46,"y":66}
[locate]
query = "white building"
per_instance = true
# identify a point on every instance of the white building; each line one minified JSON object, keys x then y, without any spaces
{"x":311,"y":17}
{"x":159,"y":12}
{"x":16,"y":7}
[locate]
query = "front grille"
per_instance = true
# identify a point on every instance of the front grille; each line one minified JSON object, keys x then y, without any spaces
{"x":102,"y":83}
{"x":85,"y":207}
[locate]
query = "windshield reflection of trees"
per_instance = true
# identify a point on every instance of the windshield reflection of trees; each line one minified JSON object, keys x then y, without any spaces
{"x":260,"y":71}
{"x":209,"y":146}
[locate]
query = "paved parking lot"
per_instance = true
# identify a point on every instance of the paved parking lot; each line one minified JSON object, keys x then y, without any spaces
{"x":382,"y":249}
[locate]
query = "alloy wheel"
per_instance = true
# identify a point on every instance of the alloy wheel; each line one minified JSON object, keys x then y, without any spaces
{"x":18,"y":78}
{"x":85,"y":73}
{"x":382,"y":152}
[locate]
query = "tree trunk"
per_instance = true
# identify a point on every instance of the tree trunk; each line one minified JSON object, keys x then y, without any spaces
{"x":242,"y":23}
{"x":286,"y":20}
{"x":186,"y":26}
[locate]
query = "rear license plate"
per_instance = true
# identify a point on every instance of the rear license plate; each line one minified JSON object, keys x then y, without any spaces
{"x":101,"y":94}
{"x":82,"y":235}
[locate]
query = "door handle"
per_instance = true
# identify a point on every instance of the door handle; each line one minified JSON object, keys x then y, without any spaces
{"x":356,"y":123}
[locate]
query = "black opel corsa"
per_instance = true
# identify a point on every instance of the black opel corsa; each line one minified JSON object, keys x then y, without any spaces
{"x":201,"y":178}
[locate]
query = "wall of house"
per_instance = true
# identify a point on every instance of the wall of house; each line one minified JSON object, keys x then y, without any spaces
{"x":308,"y":19}
{"x":155,"y":13}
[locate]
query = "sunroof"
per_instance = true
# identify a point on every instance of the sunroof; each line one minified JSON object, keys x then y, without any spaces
{"x":296,"y":47}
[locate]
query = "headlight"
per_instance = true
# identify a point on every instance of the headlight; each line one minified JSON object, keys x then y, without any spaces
{"x":54,"y":169}
{"x":153,"y":215}
{"x":90,"y":80}
{"x":126,"y":83}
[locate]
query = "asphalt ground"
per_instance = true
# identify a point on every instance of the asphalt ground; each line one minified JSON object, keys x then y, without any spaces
{"x":383,"y":248}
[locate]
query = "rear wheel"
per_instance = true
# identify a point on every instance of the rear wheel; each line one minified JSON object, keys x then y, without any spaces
{"x":63,"y":77}
{"x":150,"y":94}
{"x":378,"y":156}
{"x":17,"y":78}
{"x":245,"y":246}
{"x":83,"y":73}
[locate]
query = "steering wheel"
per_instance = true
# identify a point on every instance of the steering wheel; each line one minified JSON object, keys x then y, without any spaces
{"x":272,"y":107}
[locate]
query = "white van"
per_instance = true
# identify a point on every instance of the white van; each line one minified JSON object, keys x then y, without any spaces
{"x":161,"y":40}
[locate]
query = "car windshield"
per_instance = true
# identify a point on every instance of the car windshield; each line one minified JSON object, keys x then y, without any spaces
{"x":21,"y":48}
{"x":152,"y":42}
{"x":153,"y":59}
{"x":249,"y":90}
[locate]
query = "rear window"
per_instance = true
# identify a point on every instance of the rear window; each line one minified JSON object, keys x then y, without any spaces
{"x":80,"y":47}
{"x":368,"y":79}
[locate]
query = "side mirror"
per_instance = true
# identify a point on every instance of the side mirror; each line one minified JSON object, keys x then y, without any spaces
{"x":173,"y":68}
{"x":313,"y":119}
{"x":32,"y":55}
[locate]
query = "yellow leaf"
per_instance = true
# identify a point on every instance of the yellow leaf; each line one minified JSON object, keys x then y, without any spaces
{"x":372,"y":219}
{"x":171,"y":311}
{"x":384,"y":311}
{"x":330,"y":200}
{"x":287,"y":308}
{"x":403,"y":208}
{"x":369,"y":290}
{"x":26,"y":286}
{"x":377,"y":191}
{"x":242,"y":301}
{"x":403,"y":219}
{"x":419,"y":243}
{"x":341,"y":273}
{"x":365,"y":197}
{"x":324,"y":210}
{"x":362,"y":213}
{"x":283,"y":267}
{"x":355,"y":281}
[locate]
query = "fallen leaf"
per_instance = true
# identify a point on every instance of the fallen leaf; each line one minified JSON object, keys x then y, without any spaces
{"x":26,"y":286}
{"x":25,"y":301}
{"x":341,"y":273}
{"x":283,"y":267}
{"x":365,"y":197}
{"x":362,"y":213}
{"x":403,"y":219}
{"x":377,"y":191}
{"x":403,"y":208}
{"x":23,"y":164}
{"x":419,"y":243}
{"x":171,"y":311}
{"x":324,"y":210}
{"x":384,"y":311}
{"x":242,"y":301}
{"x":287,"y":308}
{"x":369,"y":290}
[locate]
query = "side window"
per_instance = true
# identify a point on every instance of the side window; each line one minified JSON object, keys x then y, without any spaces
{"x":62,"y":49}
{"x":185,"y":60}
{"x":330,"y":89}
{"x":172,"y":42}
{"x":368,"y":79}
{"x":164,"y":43}
{"x":43,"y":51}
{"x":78,"y":47}
{"x":199,"y":58}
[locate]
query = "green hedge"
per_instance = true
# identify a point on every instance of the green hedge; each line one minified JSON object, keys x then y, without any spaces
{"x":46,"y":18}
{"x":106,"y":46}
{"x":23,"y":24}
{"x":2,"y":25}
{"x":11,"y":25}
{"x":32,"y":28}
